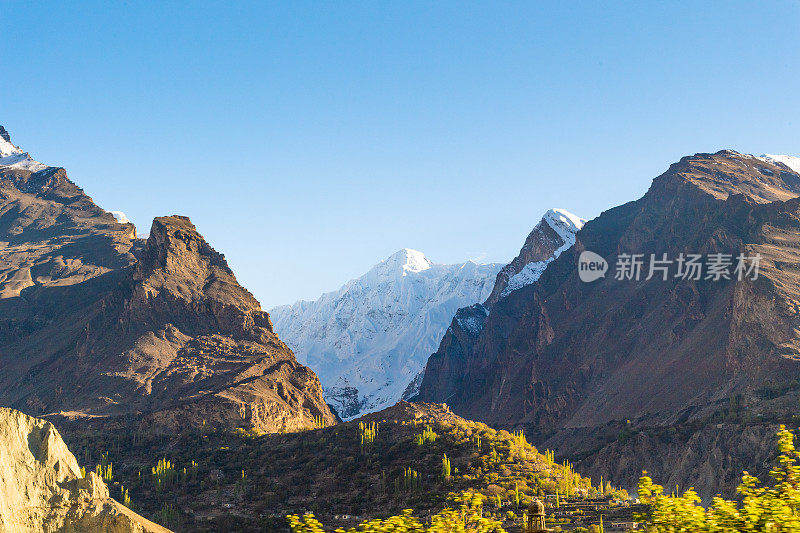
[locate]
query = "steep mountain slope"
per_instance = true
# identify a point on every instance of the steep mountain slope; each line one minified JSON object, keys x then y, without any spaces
{"x":594,"y":367}
{"x":368,"y":340}
{"x":98,"y":323}
{"x":553,"y":235}
{"x":42,"y":488}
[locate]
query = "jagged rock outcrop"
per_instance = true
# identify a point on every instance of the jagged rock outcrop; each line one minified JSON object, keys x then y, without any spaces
{"x":97,"y":323}
{"x":581,"y":366}
{"x":554,"y":234}
{"x":42,"y":488}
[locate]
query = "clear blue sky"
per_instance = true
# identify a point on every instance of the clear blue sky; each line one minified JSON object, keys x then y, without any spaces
{"x":307,"y":141}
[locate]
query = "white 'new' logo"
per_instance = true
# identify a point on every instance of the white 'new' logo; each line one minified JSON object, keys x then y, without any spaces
{"x":591,"y":266}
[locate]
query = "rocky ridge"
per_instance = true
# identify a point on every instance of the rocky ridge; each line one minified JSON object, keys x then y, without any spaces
{"x":97,"y":324}
{"x":552,"y":235}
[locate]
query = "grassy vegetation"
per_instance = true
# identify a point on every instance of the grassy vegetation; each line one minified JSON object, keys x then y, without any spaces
{"x":344,"y":474}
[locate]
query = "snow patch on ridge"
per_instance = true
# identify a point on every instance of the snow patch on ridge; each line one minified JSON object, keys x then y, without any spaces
{"x":13,"y":156}
{"x":566,"y":225}
{"x":7,"y":149}
{"x":790,"y":161}
{"x":530,"y":273}
{"x":120,"y":216}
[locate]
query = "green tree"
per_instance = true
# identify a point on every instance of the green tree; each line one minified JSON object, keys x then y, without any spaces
{"x":368,"y":433}
{"x":427,"y":436}
{"x":446,"y":468}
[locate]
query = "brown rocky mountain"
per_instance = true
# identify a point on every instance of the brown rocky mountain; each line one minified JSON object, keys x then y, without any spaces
{"x":42,"y":487}
{"x":685,"y":378}
{"x":96,"y":323}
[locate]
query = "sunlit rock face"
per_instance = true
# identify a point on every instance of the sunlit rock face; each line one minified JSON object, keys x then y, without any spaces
{"x":99,"y":324}
{"x":42,"y":488}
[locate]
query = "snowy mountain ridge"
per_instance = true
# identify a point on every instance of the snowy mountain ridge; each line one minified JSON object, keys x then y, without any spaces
{"x":566,"y":225}
{"x":371,"y":338}
{"x":790,"y":161}
{"x":13,"y":156}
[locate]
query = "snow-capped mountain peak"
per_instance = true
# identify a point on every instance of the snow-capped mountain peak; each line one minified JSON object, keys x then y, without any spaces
{"x":790,"y":161}
{"x":404,"y":261}
{"x":554,"y":234}
{"x":13,"y":156}
{"x":6,"y":148}
{"x":371,"y":338}
{"x":566,"y":225}
{"x":561,"y":219}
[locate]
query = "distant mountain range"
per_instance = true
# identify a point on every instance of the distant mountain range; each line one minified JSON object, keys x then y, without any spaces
{"x":370,"y":340}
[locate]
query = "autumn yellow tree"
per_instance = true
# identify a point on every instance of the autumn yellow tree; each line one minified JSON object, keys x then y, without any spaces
{"x":468,"y":518}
